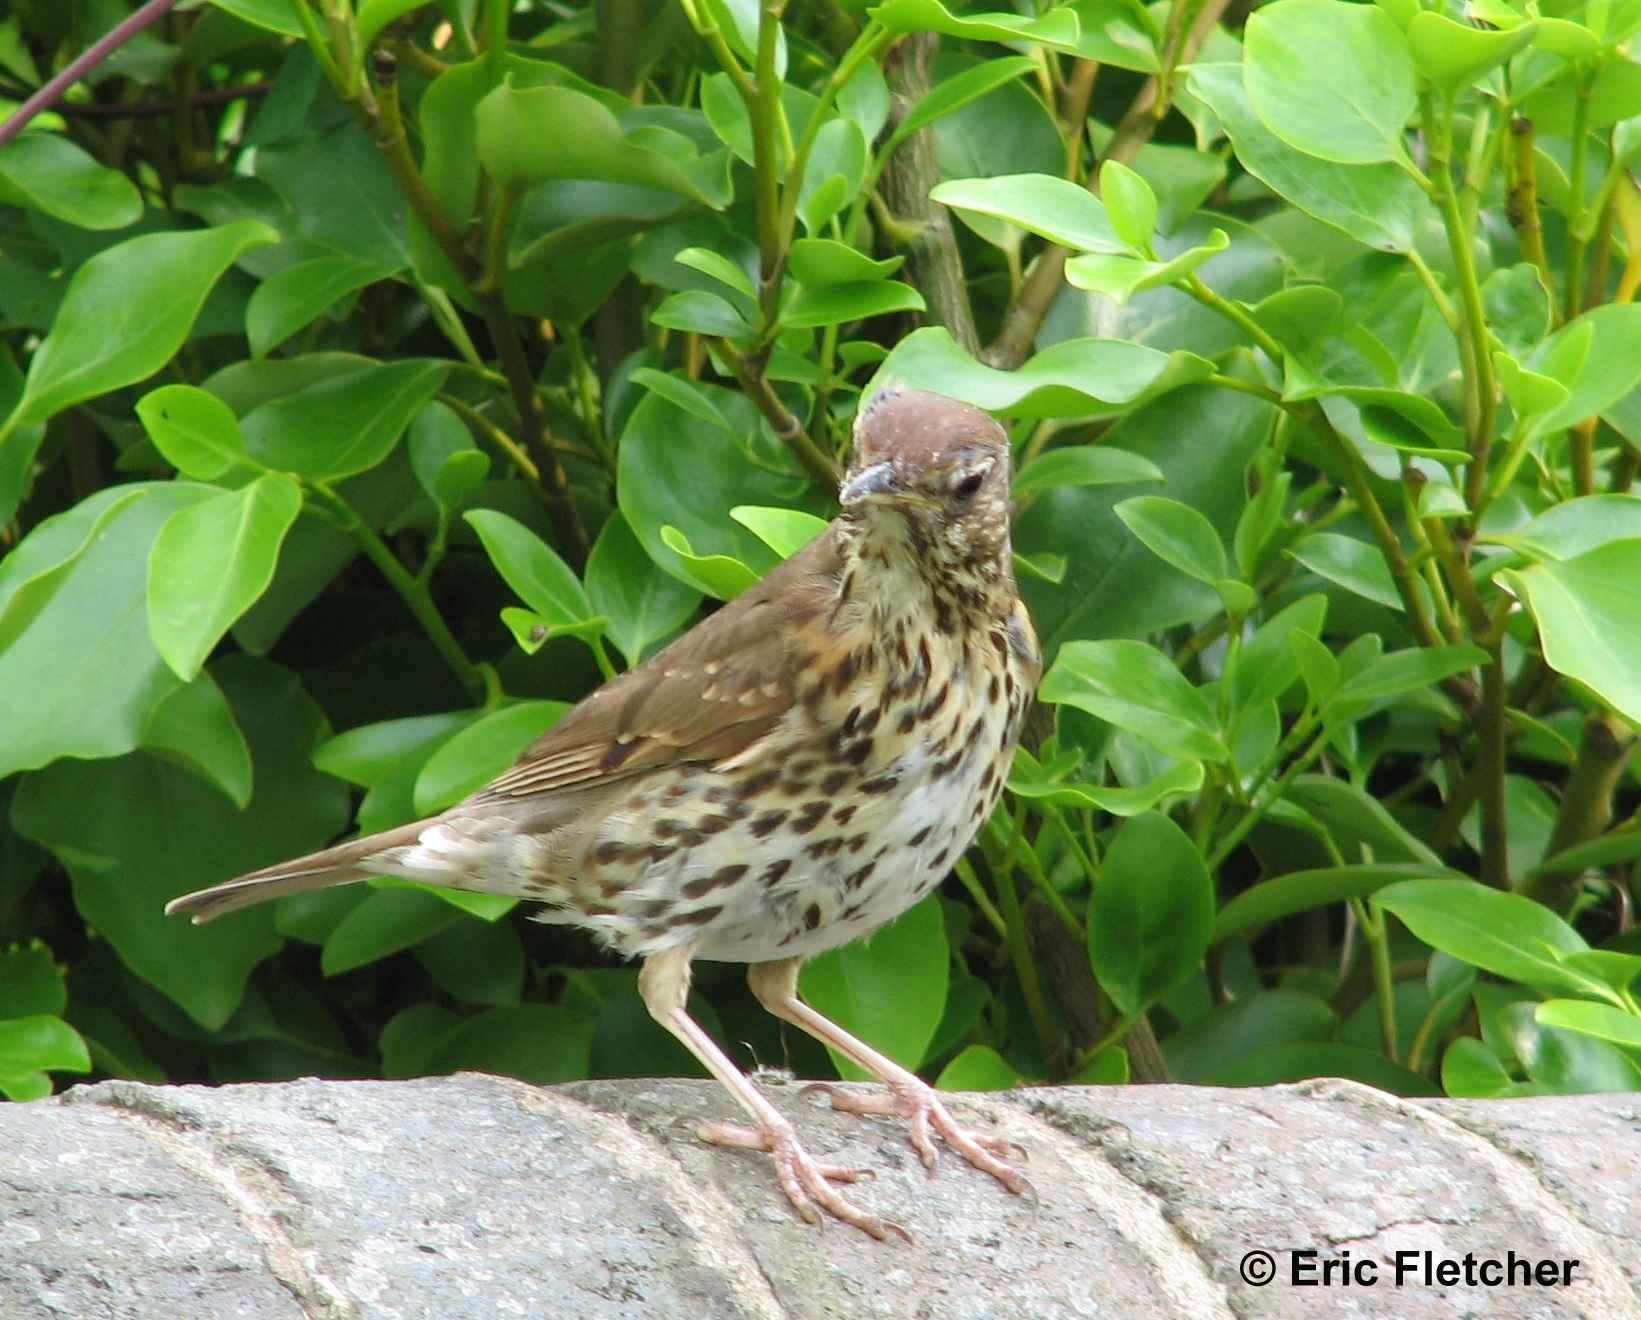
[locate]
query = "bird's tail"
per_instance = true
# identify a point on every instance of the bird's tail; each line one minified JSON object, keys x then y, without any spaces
{"x":358,"y":859}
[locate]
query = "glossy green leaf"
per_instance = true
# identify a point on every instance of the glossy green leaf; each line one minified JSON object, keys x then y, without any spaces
{"x":363,"y":756}
{"x":819,"y":261}
{"x":526,"y":134}
{"x":82,"y":677}
{"x":1130,"y":205}
{"x":1622,"y":846}
{"x":1121,"y":278}
{"x":836,"y":304}
{"x":721,"y":576}
{"x":1471,"y":1070}
{"x":1181,"y":777}
{"x":30,"y":984}
{"x":1334,"y":80}
{"x":1566,"y":1062}
{"x":127,"y":311}
{"x":285,"y":302}
{"x":1588,"y":610}
{"x":644,"y":604}
{"x":1380,"y":205}
{"x":1302,"y":1060}
{"x":344,"y":424}
{"x":159,"y":831}
{"x":196,"y":432}
{"x":32,"y":1046}
{"x":387,"y":922}
{"x":540,"y":1043}
{"x":1499,"y":932}
{"x":1056,"y":29}
{"x":1267,"y":665}
{"x":1455,"y":56}
{"x":1074,"y":378}
{"x":702,"y":313}
{"x":194,"y":727}
{"x":718,"y":267}
{"x":1604,"y":373}
{"x":442,"y":455}
{"x":1254,"y":1021}
{"x":958,"y":91}
{"x":1054,"y":208}
{"x":481,"y":751}
{"x":1357,"y":820}
{"x":531,"y":567}
{"x":49,"y":173}
{"x":979,"y":1068}
{"x":1083,"y":465}
{"x":275,"y":15}
{"x":1354,"y":565}
{"x":1598,"y":1020}
{"x":1135,"y":687}
{"x":1151,"y":913}
{"x":1176,"y":533}
{"x":28,"y":585}
{"x":785,"y":531}
{"x":1574,"y":526}
{"x":889,"y":988}
{"x":479,"y":962}
{"x":1404,"y":671}
{"x":374,"y":15}
{"x":1300,"y":891}
{"x":209,"y":564}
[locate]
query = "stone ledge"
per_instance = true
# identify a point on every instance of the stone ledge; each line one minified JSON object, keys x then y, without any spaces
{"x":476,"y":1196}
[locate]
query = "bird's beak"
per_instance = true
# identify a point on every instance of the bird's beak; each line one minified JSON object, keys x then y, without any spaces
{"x":879,"y":479}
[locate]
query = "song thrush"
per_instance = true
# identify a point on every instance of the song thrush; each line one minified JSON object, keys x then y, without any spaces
{"x":795,"y":771}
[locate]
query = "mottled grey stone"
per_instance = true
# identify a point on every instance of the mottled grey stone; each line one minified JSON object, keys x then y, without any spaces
{"x":476,"y":1196}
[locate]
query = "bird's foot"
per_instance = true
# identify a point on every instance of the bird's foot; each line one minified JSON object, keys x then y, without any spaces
{"x":806,"y":1181}
{"x":917,"y":1102}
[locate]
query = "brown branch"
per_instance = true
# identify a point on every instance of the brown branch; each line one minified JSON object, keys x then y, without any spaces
{"x":158,"y":109}
{"x":1586,"y":806}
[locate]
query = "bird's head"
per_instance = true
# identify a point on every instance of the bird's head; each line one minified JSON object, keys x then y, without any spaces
{"x":933,"y":473}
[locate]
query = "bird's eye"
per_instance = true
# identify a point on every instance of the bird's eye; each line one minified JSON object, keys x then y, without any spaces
{"x":969,"y":485}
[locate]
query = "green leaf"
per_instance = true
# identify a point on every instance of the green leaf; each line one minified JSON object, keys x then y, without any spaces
{"x":82,"y":676}
{"x":1571,"y":527}
{"x":1151,"y":913}
{"x":720,"y":576}
{"x":1074,"y":378}
{"x":1083,"y":465}
{"x":127,"y":311}
{"x":275,"y":15}
{"x":1300,"y":891}
{"x":785,"y":531}
{"x":718,"y":267}
{"x":526,"y":135}
{"x":1176,"y":533}
{"x":1380,"y":205}
{"x":1251,"y":1022}
{"x":387,"y":922}
{"x":1455,"y":56}
{"x":815,"y":262}
{"x":1566,"y":1062}
{"x":1588,"y":610}
{"x":364,"y":755}
{"x":1122,"y":277}
{"x":1302,"y":1060}
{"x":532,"y":568}
{"x":979,"y":1068}
{"x":374,"y":15}
{"x":1620,"y":846}
{"x":479,"y":962}
{"x":344,"y":424}
{"x":889,"y":989}
{"x":1598,"y":1020}
{"x":1054,"y":208}
{"x":1056,"y":29}
{"x":1267,"y":664}
{"x":1117,"y":33}
{"x":447,"y":464}
{"x":196,"y":432}
{"x":644,"y":604}
{"x":209,"y":564}
{"x":956,"y":92}
{"x":1356,"y":820}
{"x":1404,"y":671}
{"x":836,"y":304}
{"x":1471,"y":1070}
{"x":1181,"y":777}
{"x":1135,"y":687}
{"x":30,"y":984}
{"x":1499,"y":932}
{"x":285,"y":302}
{"x":49,"y":173}
{"x":158,"y":831}
{"x":1354,"y":565}
{"x":1130,"y":205}
{"x":32,"y":1046}
{"x":701,"y":313}
{"x":1607,"y":370}
{"x":481,"y":751}
{"x":1334,"y":80}
{"x":540,"y":1043}
{"x":194,"y":727}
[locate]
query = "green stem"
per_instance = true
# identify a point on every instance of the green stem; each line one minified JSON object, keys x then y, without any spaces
{"x":1027,"y":856}
{"x":768,"y":116}
{"x":1236,"y":315}
{"x":495,"y":40}
{"x":1572,"y":293}
{"x":1384,"y":978}
{"x":413,"y":593}
{"x":982,"y":900}
{"x":787,"y":427}
{"x":1025,"y":968}
{"x":1257,"y":812}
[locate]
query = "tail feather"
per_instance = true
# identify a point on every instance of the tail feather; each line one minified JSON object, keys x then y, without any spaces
{"x":340,"y":865}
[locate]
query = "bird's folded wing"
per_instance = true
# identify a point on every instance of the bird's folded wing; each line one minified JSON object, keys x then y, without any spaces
{"x":709,"y":695}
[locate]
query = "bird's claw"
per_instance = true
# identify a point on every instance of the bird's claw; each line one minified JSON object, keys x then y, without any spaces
{"x":926,"y":1114}
{"x":806,"y":1181}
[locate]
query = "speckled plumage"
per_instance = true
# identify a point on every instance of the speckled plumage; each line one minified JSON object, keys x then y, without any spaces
{"x":792,"y":773}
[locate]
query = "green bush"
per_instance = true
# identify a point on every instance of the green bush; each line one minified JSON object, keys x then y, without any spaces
{"x":378,"y":377}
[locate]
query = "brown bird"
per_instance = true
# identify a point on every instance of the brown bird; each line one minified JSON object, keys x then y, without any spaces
{"x":797,"y":770}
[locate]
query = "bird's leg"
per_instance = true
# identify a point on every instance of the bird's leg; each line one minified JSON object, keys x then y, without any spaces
{"x":664,"y":981}
{"x":776,"y":986}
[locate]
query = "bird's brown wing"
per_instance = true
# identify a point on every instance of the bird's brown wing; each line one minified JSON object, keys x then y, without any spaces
{"x":711,"y":693}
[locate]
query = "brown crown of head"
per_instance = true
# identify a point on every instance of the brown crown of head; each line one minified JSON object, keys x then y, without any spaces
{"x":940,"y":464}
